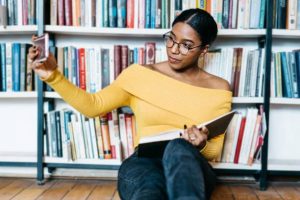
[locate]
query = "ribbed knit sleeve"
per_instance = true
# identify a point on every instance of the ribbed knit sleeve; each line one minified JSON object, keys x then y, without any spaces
{"x":89,"y":104}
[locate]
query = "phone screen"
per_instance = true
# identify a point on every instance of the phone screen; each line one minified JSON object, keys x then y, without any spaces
{"x":42,"y":43}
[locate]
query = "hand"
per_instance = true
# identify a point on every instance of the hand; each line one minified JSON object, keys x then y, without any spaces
{"x":43,"y":69}
{"x":195,"y":136}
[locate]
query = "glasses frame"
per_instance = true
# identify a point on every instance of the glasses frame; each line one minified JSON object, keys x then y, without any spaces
{"x":168,"y":36}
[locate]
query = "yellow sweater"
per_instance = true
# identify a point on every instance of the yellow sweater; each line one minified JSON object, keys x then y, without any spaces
{"x":159,"y":103}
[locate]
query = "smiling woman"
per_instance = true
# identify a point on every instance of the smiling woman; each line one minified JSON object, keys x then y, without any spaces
{"x":163,"y":96}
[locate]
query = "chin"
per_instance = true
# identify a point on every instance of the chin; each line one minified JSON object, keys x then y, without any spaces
{"x":176,"y":67}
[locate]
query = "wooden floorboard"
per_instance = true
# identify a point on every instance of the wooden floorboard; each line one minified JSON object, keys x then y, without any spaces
{"x":288,"y":192}
{"x":81,"y":190}
{"x":104,"y":190}
{"x":14,"y":188}
{"x":58,"y":190}
{"x":33,"y":191}
{"x":5,"y":181}
{"x":75,"y":189}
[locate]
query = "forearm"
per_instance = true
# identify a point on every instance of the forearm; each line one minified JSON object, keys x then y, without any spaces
{"x":88,"y":104}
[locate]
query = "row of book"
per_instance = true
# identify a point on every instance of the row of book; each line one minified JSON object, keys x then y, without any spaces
{"x":243,"y":68}
{"x":18,"y":12}
{"x":154,"y":14}
{"x":244,"y":137}
{"x":285,"y":74}
{"x":286,"y":14}
{"x":94,"y":68}
{"x":72,"y":136}
{"x":14,"y":73}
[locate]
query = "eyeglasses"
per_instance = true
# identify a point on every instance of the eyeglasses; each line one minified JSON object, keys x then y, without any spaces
{"x":184,"y":48}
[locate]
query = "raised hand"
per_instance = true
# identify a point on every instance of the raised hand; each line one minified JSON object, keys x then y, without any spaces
{"x":43,"y":69}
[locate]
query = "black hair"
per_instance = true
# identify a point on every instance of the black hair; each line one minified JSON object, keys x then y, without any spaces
{"x":201,"y":21}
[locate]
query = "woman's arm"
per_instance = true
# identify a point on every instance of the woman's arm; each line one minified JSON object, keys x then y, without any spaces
{"x":90,"y":105}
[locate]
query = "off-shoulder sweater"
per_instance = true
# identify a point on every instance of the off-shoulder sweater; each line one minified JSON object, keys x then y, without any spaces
{"x":159,"y":102}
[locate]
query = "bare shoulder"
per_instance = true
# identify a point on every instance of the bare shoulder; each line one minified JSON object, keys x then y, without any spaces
{"x":216,"y":82}
{"x":159,"y":67}
{"x":149,"y":66}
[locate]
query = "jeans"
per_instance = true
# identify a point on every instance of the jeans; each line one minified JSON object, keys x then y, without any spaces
{"x":182,"y":173}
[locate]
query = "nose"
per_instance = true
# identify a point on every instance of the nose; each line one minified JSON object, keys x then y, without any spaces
{"x":175,"y":48}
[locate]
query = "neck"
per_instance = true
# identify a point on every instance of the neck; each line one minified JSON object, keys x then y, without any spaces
{"x":188,"y":70}
{"x":188,"y":73}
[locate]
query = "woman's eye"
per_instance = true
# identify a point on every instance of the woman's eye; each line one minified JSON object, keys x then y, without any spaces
{"x":187,"y":45}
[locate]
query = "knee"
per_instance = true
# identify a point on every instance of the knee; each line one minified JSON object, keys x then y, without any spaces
{"x":178,"y":148}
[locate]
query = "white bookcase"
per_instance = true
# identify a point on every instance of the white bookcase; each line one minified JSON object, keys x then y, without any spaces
{"x":91,"y":36}
{"x":85,"y":37}
{"x":18,"y":116}
{"x":18,"y":111}
{"x":284,"y":149}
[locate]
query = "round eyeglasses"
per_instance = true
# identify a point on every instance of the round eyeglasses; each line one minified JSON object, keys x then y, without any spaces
{"x":183,"y":47}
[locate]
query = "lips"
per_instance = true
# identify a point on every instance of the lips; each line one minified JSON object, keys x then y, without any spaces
{"x":174,"y":60}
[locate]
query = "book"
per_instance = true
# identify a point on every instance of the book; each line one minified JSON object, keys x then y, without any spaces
{"x":3,"y":16}
{"x":153,"y":146}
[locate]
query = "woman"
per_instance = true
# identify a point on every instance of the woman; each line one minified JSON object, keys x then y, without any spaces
{"x":163,"y":96}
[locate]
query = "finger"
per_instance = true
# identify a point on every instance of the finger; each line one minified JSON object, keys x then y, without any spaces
{"x":38,"y":65}
{"x":32,"y":56}
{"x":204,"y":130}
{"x":196,"y":130}
{"x":33,"y":37}
{"x":185,"y":136}
{"x":32,"y":49}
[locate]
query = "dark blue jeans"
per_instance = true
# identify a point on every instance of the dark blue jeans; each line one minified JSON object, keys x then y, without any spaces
{"x":182,"y":173}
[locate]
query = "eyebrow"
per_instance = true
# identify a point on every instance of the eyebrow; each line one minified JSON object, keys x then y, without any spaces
{"x":187,"y":40}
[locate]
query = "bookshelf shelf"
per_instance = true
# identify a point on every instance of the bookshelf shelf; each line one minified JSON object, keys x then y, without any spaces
{"x":242,"y":33}
{"x":53,"y":95}
{"x":17,"y":157}
{"x":217,"y":165}
{"x":130,"y":32}
{"x":84,"y":161}
{"x":285,"y":34}
{"x":285,"y":165}
{"x":248,"y":100}
{"x":18,"y":95}
{"x":289,"y":101}
{"x":18,"y":30}
{"x":236,"y":100}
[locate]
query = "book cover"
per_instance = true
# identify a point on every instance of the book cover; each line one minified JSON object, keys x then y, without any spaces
{"x":3,"y":16}
{"x":153,"y":146}
{"x":105,"y":137}
{"x":68,"y":13}
{"x":3,"y":66}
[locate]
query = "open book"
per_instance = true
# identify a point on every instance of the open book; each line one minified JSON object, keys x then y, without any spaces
{"x":153,"y":146}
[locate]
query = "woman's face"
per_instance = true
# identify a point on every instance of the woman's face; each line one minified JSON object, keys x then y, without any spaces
{"x":187,"y":37}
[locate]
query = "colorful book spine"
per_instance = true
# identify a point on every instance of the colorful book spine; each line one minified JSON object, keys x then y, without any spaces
{"x":105,"y":137}
{"x":3,"y":66}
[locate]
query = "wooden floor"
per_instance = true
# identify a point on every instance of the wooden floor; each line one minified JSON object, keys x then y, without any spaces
{"x":27,"y":189}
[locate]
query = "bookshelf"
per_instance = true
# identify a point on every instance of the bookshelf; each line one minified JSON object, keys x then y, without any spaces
{"x":88,"y":36}
{"x":18,"y":30}
{"x":138,"y":32}
{"x":18,"y":109}
{"x":283,"y":150}
{"x":236,"y":100}
{"x":18,"y":95}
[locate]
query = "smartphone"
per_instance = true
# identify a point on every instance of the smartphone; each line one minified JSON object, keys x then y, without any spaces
{"x":42,"y":44}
